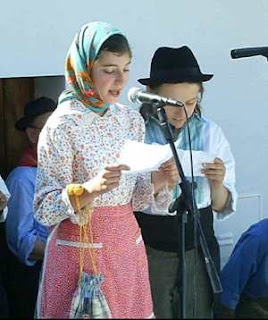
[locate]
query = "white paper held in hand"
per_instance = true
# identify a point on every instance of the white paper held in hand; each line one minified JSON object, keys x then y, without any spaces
{"x":143,"y":157}
{"x":198,"y":156}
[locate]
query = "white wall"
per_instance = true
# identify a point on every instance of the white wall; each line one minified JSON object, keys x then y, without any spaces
{"x":35,"y":36}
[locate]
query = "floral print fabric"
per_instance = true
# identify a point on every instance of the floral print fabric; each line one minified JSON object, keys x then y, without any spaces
{"x":74,"y":146}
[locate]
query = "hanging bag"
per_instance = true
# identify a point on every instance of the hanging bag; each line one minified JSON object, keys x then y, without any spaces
{"x":88,"y":300}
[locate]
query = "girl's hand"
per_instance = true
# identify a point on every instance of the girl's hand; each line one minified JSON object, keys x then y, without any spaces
{"x":167,"y":175}
{"x":106,"y":180}
{"x":215,"y":172}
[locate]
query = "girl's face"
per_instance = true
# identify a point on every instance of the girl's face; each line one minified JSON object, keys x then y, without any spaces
{"x":110,"y":74}
{"x":187,"y":93}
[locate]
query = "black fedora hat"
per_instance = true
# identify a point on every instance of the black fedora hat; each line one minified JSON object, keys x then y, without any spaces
{"x":33,"y":109}
{"x":174,"y":65}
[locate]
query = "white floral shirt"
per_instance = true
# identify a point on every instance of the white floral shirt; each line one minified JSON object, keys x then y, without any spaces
{"x":74,"y":146}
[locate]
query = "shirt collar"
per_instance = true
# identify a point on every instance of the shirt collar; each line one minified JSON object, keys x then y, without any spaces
{"x":115,"y":110}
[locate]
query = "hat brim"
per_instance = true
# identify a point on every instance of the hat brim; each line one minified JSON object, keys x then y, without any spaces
{"x":34,"y":109}
{"x":153,"y":82}
{"x":23,"y":123}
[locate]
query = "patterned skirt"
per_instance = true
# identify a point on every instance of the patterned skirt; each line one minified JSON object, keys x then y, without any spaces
{"x":121,"y":259}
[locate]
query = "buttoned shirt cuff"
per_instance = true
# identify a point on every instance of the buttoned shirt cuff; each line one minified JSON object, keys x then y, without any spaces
{"x":230,"y":207}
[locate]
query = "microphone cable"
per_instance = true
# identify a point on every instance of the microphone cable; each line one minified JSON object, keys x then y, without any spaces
{"x":194,"y":211}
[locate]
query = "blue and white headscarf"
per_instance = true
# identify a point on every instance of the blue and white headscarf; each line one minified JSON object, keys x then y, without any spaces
{"x":79,"y":62}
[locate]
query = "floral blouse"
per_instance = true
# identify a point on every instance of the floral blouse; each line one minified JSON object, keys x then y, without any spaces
{"x":74,"y":146}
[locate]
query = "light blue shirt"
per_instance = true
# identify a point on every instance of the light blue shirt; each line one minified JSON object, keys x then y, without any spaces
{"x":22,"y":229}
{"x":207,"y":136}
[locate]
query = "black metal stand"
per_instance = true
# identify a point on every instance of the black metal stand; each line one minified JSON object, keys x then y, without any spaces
{"x":184,"y":205}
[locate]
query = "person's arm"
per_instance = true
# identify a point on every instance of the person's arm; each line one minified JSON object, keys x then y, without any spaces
{"x":166,"y":176}
{"x":241,"y":265}
{"x":221,"y":174}
{"x":38,"y":250}
{"x":215,"y":173}
{"x":53,"y":202}
{"x":106,"y":180}
{"x":21,"y":234}
{"x":55,"y":160}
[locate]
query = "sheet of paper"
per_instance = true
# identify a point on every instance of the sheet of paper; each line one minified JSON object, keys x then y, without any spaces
{"x":142,"y":157}
{"x":198,"y":157}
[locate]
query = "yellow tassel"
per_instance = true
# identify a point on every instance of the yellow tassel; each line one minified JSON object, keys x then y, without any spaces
{"x":75,"y":189}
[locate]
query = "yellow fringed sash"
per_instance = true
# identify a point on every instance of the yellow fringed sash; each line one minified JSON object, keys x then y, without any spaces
{"x":77,"y":190}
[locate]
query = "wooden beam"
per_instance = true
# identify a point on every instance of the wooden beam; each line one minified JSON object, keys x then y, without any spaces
{"x":16,"y":92}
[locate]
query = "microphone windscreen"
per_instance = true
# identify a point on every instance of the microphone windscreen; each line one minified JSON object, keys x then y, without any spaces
{"x":234,"y":54}
{"x":132,"y":94}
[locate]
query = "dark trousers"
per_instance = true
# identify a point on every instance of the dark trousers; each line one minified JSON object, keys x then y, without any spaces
{"x":164,"y":268}
{"x":161,"y":235}
{"x":22,"y":287}
{"x":247,"y":308}
{"x":4,"y":308}
{"x":20,"y":284}
{"x":252,"y":308}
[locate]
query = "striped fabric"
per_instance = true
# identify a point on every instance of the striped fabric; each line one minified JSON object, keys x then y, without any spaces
{"x":88,"y":300}
{"x":154,"y":134}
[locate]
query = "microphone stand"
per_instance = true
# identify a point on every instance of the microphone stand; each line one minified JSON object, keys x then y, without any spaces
{"x":183,"y":205}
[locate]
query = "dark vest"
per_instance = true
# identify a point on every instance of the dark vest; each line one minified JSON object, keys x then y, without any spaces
{"x":163,"y":232}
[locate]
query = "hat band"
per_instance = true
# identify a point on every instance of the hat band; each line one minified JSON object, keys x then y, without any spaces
{"x":174,"y":73}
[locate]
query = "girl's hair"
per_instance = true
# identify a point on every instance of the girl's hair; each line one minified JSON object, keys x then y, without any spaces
{"x":147,"y":109}
{"x":116,"y":43}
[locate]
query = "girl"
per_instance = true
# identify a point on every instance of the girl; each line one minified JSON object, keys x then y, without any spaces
{"x":80,"y":146}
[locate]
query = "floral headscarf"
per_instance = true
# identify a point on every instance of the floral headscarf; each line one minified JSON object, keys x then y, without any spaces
{"x":80,"y":60}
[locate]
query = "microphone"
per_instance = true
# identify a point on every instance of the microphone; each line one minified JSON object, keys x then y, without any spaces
{"x":249,"y":52}
{"x":136,"y":95}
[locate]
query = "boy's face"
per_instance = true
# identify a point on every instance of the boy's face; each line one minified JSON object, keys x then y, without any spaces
{"x":188,"y":93}
{"x":34,"y":130}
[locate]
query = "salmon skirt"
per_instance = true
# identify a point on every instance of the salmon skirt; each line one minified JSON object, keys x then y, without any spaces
{"x":121,"y":259}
